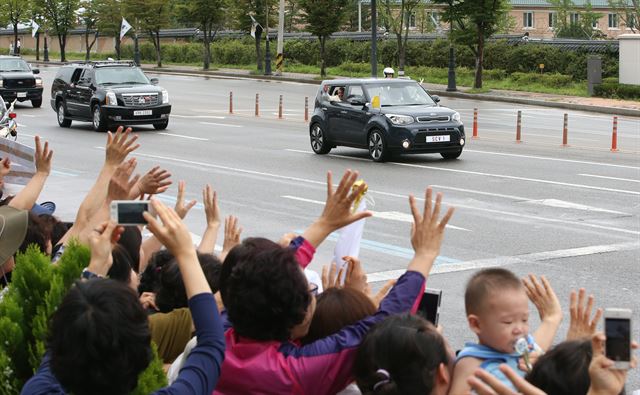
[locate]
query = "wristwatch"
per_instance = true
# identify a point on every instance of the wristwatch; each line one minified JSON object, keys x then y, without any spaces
{"x":86,"y":274}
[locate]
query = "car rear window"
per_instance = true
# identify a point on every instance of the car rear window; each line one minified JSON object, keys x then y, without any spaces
{"x":65,"y":74}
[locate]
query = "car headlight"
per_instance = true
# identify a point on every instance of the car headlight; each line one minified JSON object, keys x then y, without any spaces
{"x":400,"y":119}
{"x":165,"y":96}
{"x":39,"y":82}
{"x":456,"y":117}
{"x":1,"y":83}
{"x":111,"y":98}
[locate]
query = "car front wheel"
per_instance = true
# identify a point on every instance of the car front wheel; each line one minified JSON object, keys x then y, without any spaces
{"x":451,"y":155}
{"x":161,"y":125}
{"x":63,"y":121}
{"x":319,"y":143}
{"x":99,"y":123}
{"x":377,"y":146}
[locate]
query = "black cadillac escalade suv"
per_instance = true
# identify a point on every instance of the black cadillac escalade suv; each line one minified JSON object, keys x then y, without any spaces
{"x":17,"y":81}
{"x":108,"y":93}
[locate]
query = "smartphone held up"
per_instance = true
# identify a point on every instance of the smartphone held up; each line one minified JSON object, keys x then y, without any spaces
{"x":129,"y":212}
{"x":617,"y":329}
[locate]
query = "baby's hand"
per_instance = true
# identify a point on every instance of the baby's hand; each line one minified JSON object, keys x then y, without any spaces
{"x":543,"y":297}
{"x":533,"y":358}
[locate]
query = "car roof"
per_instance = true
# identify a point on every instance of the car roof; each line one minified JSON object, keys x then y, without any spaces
{"x":10,"y":57}
{"x":103,"y":63}
{"x":365,"y":81}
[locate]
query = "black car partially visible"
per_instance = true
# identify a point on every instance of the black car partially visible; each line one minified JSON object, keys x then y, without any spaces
{"x":18,"y":81}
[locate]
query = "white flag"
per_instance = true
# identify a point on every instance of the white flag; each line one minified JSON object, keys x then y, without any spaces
{"x":34,"y":28}
{"x":254,"y":24}
{"x":348,"y":243}
{"x":124,"y":28}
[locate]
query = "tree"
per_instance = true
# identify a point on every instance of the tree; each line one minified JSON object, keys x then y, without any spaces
{"x":474,"y":21}
{"x":399,"y":24}
{"x":16,"y":12}
{"x":110,"y":20}
{"x":242,"y":12}
{"x":208,"y":15}
{"x":150,"y":16}
{"x":89,"y":17}
{"x":562,"y":8}
{"x":323,"y":18}
{"x":629,"y":12}
{"x":61,"y":17}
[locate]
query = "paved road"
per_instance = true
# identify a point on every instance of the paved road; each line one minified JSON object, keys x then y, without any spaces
{"x":572,"y":213}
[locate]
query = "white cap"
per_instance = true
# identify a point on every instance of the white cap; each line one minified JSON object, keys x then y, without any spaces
{"x":388,"y":70}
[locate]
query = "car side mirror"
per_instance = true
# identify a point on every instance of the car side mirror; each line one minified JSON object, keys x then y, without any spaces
{"x":154,"y":81}
{"x":436,"y":98}
{"x":35,"y":71}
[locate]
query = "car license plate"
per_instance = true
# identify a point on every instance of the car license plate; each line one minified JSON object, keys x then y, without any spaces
{"x":137,"y":113}
{"x":437,"y":139}
{"x":22,"y":94}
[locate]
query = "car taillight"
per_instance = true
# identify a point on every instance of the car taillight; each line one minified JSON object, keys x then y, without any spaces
{"x":12,"y":115}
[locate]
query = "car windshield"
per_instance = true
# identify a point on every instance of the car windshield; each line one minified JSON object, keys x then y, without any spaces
{"x":14,"y":65}
{"x":120,"y":75}
{"x":400,"y":94}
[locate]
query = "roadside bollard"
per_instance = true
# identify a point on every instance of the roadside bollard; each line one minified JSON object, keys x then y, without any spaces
{"x":519,"y":127}
{"x":230,"y":102}
{"x":475,"y":123}
{"x":257,"y":104}
{"x":565,"y":130}
{"x":280,"y":108}
{"x":306,"y":109}
{"x":614,"y":135}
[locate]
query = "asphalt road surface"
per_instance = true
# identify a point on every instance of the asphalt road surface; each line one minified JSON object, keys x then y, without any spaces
{"x":570,"y":213}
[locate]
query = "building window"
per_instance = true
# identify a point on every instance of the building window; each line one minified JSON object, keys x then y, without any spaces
{"x":631,"y":21}
{"x":527,"y":21}
{"x":553,"y":19}
{"x":574,"y":18}
{"x":412,"y":19}
{"x":594,"y":24}
{"x":613,"y":21}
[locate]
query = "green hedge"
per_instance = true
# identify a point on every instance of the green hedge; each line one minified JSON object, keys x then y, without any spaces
{"x":499,"y":55}
{"x":614,"y":90}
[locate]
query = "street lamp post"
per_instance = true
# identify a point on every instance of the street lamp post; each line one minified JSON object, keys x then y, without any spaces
{"x":374,"y":40}
{"x":136,"y":49}
{"x":46,"y":48}
{"x":267,"y":56}
{"x":451,"y":76}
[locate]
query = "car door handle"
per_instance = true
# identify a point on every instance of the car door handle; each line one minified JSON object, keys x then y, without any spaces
{"x":324,"y":108}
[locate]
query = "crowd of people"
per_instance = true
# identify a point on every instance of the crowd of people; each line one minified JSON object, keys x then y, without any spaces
{"x":249,"y":321}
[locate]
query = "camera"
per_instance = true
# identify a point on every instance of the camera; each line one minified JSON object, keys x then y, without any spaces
{"x":617,"y":329}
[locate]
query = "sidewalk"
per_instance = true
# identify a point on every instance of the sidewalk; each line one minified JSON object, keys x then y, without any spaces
{"x":594,"y":104}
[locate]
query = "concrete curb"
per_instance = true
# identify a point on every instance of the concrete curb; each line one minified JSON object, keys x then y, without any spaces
{"x":462,"y":95}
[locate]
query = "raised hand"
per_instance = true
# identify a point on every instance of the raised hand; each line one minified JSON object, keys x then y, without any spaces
{"x":43,"y":157}
{"x":542,"y":295}
{"x":355,"y":277}
{"x":181,"y":209}
{"x":101,"y":242}
{"x":427,"y":232}
{"x":148,"y":300}
{"x":484,"y":383}
{"x":5,"y":167}
{"x":121,"y":184}
{"x":604,"y":379}
{"x":377,"y":298}
{"x":331,"y":276}
{"x":155,"y":181}
{"x":119,"y":145}
{"x":582,"y":326}
{"x":232,"y":232}
{"x":170,"y":230}
{"x":211,"y":209}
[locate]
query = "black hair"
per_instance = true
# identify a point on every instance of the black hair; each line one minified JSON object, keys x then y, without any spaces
{"x":56,"y":228}
{"x":170,"y":291}
{"x":37,"y":233}
{"x":406,"y":346}
{"x":264,"y":290}
{"x":130,"y":240}
{"x":120,"y":270}
{"x":563,"y":370}
{"x":150,"y":277}
{"x":99,"y":338}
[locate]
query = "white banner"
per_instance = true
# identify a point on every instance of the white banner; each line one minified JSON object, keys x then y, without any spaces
{"x":124,"y":28}
{"x":348,"y":243}
{"x":254,"y":24}
{"x":34,"y":28}
{"x":23,"y":165}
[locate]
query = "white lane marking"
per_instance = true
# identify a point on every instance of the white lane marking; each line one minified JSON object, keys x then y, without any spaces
{"x":323,"y":183}
{"x":25,"y":134}
{"x":198,"y":116}
{"x":221,"y":124}
{"x":28,"y":115}
{"x":481,"y":192}
{"x":510,"y":260}
{"x":538,"y":180}
{"x":609,"y":178}
{"x":390,"y":215}
{"x":21,"y":125}
{"x":552,"y":159}
{"x":570,"y":205}
{"x":182,"y":136}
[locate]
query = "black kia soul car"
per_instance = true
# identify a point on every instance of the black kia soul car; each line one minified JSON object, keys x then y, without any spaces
{"x":407,"y":119}
{"x":108,"y":93}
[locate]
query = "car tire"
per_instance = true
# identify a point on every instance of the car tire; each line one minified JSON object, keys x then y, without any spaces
{"x":161,"y":125}
{"x":377,"y":146}
{"x":451,"y":155}
{"x":99,"y":122}
{"x":63,"y":121}
{"x":36,"y":103}
{"x":319,"y":143}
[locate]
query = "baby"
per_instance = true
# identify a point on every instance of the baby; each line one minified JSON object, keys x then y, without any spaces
{"x":497,"y":306}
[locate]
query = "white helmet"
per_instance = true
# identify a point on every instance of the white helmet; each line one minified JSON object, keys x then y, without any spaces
{"x":388,"y":71}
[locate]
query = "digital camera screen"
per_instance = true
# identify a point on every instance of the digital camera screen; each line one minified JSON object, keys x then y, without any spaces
{"x":131,"y":213}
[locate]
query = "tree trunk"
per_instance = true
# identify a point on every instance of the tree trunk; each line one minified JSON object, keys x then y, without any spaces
{"x":479,"y":59}
{"x":38,"y":45}
{"x":207,"y":47}
{"x":400,"y":51}
{"x":62,"y":40}
{"x":155,"y":36}
{"x":15,"y":39}
{"x":323,"y":72}
{"x":117,"y":47}
{"x":87,"y":55}
{"x":259,"y":48}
